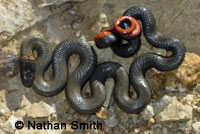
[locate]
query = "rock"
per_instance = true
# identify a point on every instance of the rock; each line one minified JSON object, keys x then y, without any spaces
{"x":19,"y":114}
{"x":15,"y":84}
{"x":109,"y":85}
{"x":17,"y":16}
{"x":36,"y":131}
{"x":3,"y":94}
{"x":162,"y":103}
{"x":103,"y":19}
{"x":187,"y":127}
{"x":25,"y":102}
{"x":111,"y":120}
{"x":62,"y":107}
{"x":109,"y":116}
{"x":148,"y":113}
{"x":44,"y":110}
{"x":173,"y":89}
{"x":197,"y":88}
{"x":69,"y":130}
{"x":185,"y":77}
{"x":72,"y":12}
{"x":164,"y":131}
{"x":134,"y":118}
{"x":151,"y":121}
{"x":9,"y":125}
{"x":101,"y":23}
{"x":196,"y":127}
{"x":91,"y":132}
{"x":175,"y":111}
{"x":4,"y":110}
{"x":8,"y":64}
{"x":136,"y":131}
{"x":45,"y":3}
{"x":189,"y":99}
{"x":78,"y":33}
{"x":103,"y":113}
{"x":123,"y":117}
{"x":75,"y":24}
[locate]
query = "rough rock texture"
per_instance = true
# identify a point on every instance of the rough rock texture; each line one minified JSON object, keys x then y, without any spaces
{"x":8,"y":64}
{"x":45,"y":110}
{"x":18,"y":15}
{"x":186,"y":77}
{"x":175,"y":105}
{"x":175,"y":111}
{"x":45,"y":3}
{"x":196,"y":127}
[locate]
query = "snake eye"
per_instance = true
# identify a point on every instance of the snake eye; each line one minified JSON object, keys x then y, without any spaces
{"x":27,"y":70}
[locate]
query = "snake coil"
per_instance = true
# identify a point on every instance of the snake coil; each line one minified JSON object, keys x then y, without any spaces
{"x":144,"y":62}
{"x":32,"y":69}
{"x":32,"y":72}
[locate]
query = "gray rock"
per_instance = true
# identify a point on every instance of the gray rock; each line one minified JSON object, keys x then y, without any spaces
{"x":62,"y":107}
{"x":109,"y":92}
{"x":44,"y":108}
{"x":197,"y":88}
{"x":175,"y":111}
{"x":9,"y":125}
{"x":162,"y":103}
{"x":75,"y":24}
{"x":123,"y":117}
{"x":8,"y":64}
{"x":148,"y":113}
{"x":46,"y":3}
{"x":112,"y":120}
{"x":196,"y":127}
{"x":17,"y":16}
{"x":78,"y":33}
{"x":72,"y":12}
{"x":101,"y":23}
{"x":164,"y":131}
{"x":15,"y":84}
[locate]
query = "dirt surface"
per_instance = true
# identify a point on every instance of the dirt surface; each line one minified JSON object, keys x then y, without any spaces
{"x":175,"y":105}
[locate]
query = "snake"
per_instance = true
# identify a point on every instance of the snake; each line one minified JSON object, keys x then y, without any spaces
{"x":122,"y":31}
{"x":33,"y":68}
{"x":146,"y":61}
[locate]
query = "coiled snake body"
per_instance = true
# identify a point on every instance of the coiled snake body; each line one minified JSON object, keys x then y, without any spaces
{"x":146,"y":61}
{"x":32,"y":72}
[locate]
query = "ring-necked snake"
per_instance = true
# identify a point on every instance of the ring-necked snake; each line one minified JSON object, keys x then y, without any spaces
{"x":144,"y":62}
{"x":32,"y":68}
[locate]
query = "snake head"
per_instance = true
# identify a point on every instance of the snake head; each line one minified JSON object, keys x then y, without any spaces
{"x":27,"y":70}
{"x":105,"y":39}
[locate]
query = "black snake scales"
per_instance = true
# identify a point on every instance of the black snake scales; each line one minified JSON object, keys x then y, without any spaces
{"x":32,"y":68}
{"x":144,"y":62}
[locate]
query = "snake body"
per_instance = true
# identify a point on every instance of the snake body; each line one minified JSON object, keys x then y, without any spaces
{"x":144,"y":62}
{"x":60,"y":78}
{"x":150,"y":60}
{"x":32,"y":69}
{"x":114,"y":39}
{"x":128,"y":49}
